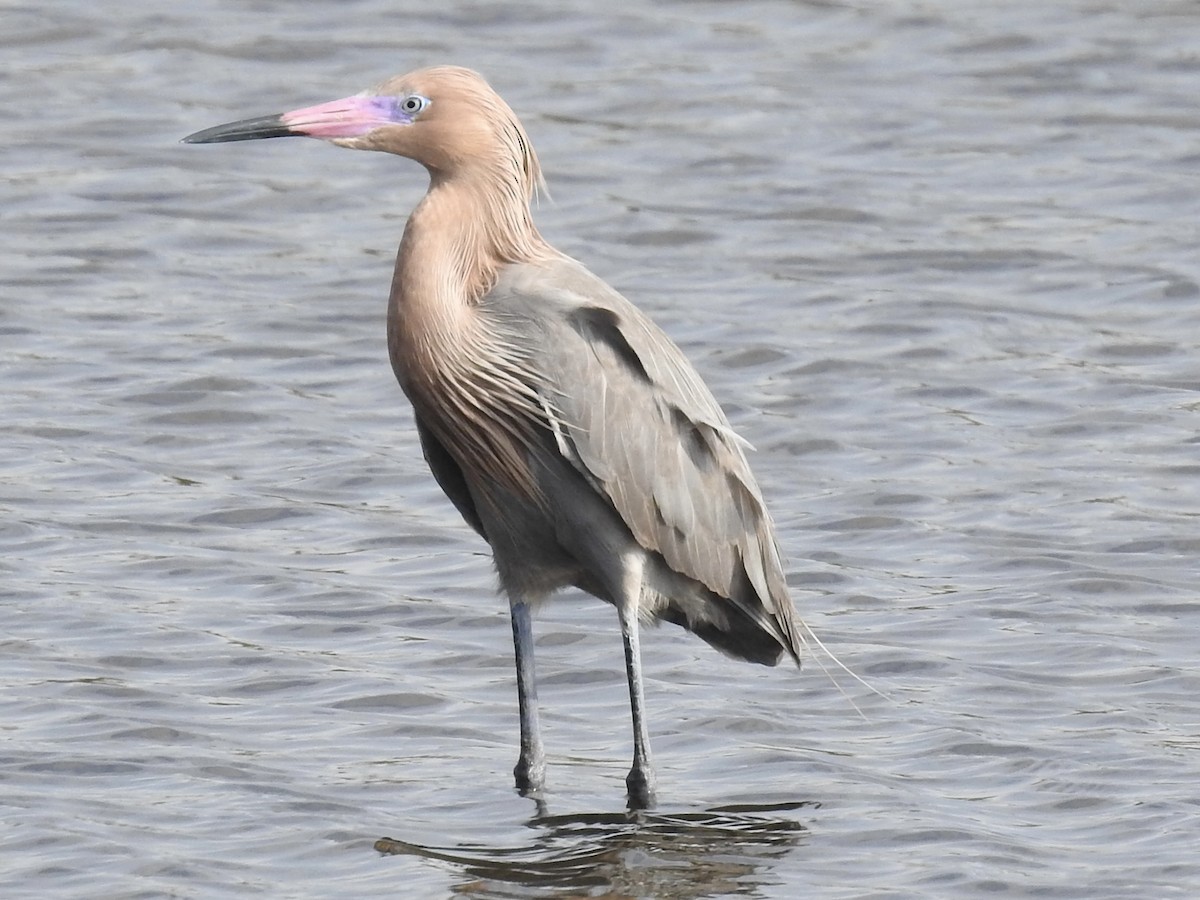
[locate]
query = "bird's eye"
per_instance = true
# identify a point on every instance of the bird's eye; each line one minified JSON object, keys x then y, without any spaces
{"x":413,"y":104}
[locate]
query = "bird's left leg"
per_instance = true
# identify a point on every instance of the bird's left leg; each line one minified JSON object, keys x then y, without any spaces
{"x":641,"y":781}
{"x":530,"y":771}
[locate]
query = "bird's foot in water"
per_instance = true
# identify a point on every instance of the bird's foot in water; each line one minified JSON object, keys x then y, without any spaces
{"x":530,"y":774}
{"x":641,"y":784}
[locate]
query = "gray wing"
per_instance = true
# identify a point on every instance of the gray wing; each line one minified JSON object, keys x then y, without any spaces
{"x":637,"y":420}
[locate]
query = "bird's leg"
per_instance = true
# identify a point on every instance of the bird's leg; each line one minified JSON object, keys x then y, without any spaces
{"x":640,"y":781}
{"x":530,"y":771}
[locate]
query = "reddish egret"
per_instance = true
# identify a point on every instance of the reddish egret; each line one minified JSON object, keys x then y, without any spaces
{"x":568,"y":430}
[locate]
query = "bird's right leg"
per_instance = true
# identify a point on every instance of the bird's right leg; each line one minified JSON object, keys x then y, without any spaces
{"x":530,"y":771}
{"x":640,"y":781}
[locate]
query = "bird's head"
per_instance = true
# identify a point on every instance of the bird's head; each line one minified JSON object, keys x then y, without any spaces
{"x":446,"y":118}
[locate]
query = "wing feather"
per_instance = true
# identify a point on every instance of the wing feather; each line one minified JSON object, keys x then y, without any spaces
{"x":646,"y":431}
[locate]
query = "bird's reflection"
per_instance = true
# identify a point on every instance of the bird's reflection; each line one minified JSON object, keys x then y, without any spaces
{"x":721,"y":851}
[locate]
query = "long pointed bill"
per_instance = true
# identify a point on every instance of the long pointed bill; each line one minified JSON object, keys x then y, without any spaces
{"x":346,"y":118}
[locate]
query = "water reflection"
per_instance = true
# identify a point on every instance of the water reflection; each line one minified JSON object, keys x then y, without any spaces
{"x":721,"y":851}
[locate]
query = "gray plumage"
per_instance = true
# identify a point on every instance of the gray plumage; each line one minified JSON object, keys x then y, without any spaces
{"x":636,"y":432}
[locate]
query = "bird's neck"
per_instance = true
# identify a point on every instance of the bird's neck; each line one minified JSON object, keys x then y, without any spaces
{"x":466,"y":386}
{"x":462,"y":233}
{"x":455,"y":244}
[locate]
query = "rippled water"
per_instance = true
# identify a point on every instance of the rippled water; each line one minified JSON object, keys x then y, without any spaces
{"x":939,"y":260}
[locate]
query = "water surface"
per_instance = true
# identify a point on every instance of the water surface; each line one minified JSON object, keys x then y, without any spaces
{"x":937,"y":259}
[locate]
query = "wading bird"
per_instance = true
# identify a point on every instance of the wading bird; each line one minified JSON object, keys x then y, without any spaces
{"x":568,"y":430}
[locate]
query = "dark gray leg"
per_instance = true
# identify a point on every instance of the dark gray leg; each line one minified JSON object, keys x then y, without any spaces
{"x":530,"y":771}
{"x":641,"y":780}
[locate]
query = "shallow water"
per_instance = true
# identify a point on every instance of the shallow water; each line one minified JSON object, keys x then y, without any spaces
{"x":939,"y":261}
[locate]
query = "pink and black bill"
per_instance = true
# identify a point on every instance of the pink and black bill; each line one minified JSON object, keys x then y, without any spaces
{"x":349,"y":117}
